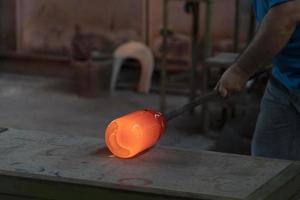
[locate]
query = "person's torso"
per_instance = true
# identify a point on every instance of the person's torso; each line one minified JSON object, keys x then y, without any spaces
{"x":286,"y":64}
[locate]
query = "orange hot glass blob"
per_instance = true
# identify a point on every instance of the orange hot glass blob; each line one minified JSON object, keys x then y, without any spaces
{"x":134,"y":133}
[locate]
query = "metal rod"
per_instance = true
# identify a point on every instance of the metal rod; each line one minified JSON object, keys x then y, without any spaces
{"x":147,"y":21}
{"x":212,"y":96}
{"x":3,"y":129}
{"x":193,"y":8}
{"x":236,"y":26}
{"x":208,"y":33}
{"x":163,"y":76}
{"x":193,"y":104}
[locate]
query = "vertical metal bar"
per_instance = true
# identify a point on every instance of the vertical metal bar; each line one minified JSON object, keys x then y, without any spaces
{"x":251,"y":25}
{"x":1,"y":26}
{"x":236,"y":26}
{"x":147,"y":21}
{"x":208,"y":34}
{"x":194,"y":64}
{"x":163,"y":78}
{"x":207,"y":53}
{"x":19,"y":23}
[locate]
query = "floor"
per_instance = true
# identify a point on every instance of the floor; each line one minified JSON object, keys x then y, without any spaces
{"x":49,"y":104}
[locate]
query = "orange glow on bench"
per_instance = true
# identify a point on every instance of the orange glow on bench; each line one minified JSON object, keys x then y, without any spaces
{"x":134,"y":133}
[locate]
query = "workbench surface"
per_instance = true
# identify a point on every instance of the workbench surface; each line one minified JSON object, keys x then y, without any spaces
{"x":28,"y":157}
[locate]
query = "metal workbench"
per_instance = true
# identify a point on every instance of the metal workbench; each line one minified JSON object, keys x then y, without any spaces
{"x":38,"y":165}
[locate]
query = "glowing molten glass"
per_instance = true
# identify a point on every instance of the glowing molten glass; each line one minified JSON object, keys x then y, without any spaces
{"x":134,"y":133}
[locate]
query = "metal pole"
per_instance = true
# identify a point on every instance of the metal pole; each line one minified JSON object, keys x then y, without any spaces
{"x":207,"y":53}
{"x":147,"y":21}
{"x":200,"y":100}
{"x":163,"y":78}
{"x":236,"y":26}
{"x":1,"y":25}
{"x":208,"y":34}
{"x":196,"y":102}
{"x":251,"y":32}
{"x":193,"y":7}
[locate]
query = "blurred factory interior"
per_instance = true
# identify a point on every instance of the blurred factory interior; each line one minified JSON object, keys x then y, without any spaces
{"x":68,"y":51}
{"x":68,"y":68}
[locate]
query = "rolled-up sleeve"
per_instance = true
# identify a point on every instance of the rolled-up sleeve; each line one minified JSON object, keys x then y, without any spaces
{"x":276,"y":2}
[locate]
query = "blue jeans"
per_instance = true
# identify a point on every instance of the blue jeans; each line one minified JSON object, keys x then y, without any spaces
{"x":277,"y":133}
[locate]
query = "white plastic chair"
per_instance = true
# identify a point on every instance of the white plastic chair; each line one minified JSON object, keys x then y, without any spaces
{"x":139,"y":52}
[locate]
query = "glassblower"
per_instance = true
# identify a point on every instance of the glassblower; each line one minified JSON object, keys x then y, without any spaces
{"x":136,"y":132}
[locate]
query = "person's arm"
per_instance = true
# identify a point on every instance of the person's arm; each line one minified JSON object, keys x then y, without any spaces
{"x":275,"y":31}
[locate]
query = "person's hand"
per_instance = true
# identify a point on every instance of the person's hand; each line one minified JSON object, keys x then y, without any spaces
{"x":232,"y":81}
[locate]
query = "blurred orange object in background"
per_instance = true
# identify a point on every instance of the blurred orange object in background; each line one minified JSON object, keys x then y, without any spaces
{"x":134,"y":133}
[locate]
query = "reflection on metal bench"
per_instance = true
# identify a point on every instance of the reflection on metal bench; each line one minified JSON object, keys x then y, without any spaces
{"x":37,"y":165}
